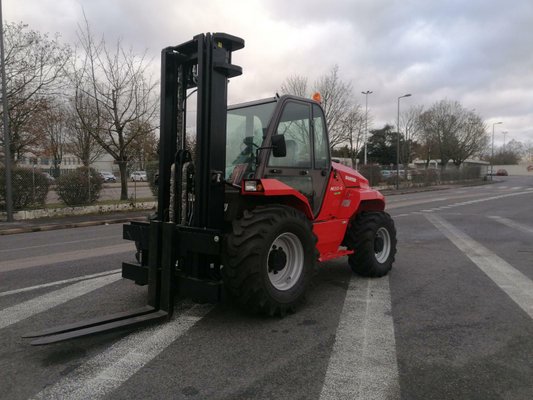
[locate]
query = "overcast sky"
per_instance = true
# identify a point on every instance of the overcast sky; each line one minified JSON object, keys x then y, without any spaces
{"x":479,"y":52}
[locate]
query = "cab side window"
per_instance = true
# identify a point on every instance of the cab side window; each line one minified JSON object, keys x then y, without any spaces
{"x":320,"y":139}
{"x":295,"y":126}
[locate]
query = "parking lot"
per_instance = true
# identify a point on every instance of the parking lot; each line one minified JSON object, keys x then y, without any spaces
{"x":453,"y":320}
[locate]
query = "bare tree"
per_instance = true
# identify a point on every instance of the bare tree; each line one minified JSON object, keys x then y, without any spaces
{"x":510,"y":154}
{"x":529,"y":151}
{"x":82,"y":128}
{"x":471,"y":139}
{"x":453,"y":132}
{"x":144,"y":147}
{"x":53,"y":122}
{"x":411,"y":122}
{"x":34,"y":73}
{"x":114,"y":84}
{"x":336,"y":101}
{"x":295,"y":85}
{"x":354,"y":126}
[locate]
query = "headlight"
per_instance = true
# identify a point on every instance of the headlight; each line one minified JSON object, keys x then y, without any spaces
{"x":253,"y":186}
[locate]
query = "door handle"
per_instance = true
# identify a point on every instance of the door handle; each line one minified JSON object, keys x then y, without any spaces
{"x":276,"y":171}
{"x":304,"y":172}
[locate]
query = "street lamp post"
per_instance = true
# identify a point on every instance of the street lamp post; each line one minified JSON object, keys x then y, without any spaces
{"x":398,"y":143}
{"x":7,"y":142}
{"x":504,"y":133}
{"x":33,"y":180}
{"x":492,"y":151}
{"x":366,"y":120}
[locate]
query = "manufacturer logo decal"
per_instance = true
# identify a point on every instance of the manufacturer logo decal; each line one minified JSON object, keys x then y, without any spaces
{"x":335,"y":188}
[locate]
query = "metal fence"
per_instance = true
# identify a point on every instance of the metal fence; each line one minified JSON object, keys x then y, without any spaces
{"x":33,"y":189}
{"x":412,"y":177}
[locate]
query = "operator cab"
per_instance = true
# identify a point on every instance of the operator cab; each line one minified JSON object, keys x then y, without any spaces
{"x":253,"y":127}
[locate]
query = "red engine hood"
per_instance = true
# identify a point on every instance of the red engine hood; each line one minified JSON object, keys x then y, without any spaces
{"x":350,"y":177}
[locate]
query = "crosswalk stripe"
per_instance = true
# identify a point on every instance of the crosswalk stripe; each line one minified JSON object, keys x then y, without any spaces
{"x":55,"y":258}
{"x":26,"y":309}
{"x":363,"y":362}
{"x":57,"y":283}
{"x":514,"y":283}
{"x":107,"y":371}
{"x":513,"y":224}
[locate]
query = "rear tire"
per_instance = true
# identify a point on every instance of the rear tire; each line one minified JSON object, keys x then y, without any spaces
{"x":269,"y":258}
{"x":372,"y":236}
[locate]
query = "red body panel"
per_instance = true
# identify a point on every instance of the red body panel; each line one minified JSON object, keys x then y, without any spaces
{"x":347,"y":193}
{"x":273,"y":187}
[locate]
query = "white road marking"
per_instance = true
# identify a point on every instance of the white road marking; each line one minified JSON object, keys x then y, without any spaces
{"x":26,"y":309}
{"x":515,"y":284}
{"x":464,"y":203}
{"x":513,"y":224}
{"x":37,"y":261}
{"x":404,"y":203}
{"x":363,"y":363}
{"x":56,"y":283}
{"x":107,"y":371}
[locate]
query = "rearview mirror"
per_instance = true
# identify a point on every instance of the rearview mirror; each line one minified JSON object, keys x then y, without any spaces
{"x":279,"y":149}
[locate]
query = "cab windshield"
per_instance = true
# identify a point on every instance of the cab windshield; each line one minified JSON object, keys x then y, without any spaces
{"x":246,"y":129}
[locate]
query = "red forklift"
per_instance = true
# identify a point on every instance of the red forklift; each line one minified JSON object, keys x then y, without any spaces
{"x":254,"y":211}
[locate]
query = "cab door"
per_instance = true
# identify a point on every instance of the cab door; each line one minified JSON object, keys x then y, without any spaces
{"x":303,"y":167}
{"x":321,"y":157}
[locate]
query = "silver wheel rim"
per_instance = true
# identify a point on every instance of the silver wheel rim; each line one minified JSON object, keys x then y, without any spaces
{"x":383,"y":254}
{"x":287,"y":277}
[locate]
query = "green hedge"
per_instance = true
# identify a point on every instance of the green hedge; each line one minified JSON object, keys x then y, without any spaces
{"x":79,"y":187}
{"x":29,"y":188}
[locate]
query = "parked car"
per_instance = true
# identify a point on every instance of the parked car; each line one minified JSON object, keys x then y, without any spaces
{"x":108,"y":176}
{"x":502,"y":172}
{"x":138,"y":176}
{"x":385,"y":173}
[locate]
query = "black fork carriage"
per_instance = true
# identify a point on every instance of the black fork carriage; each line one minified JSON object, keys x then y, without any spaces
{"x":179,"y":250}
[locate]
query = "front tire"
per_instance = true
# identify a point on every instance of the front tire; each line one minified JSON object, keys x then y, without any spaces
{"x":269,"y":259}
{"x":372,"y":236}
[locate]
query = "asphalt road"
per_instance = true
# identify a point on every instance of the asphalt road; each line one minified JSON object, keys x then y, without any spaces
{"x":453,"y":320}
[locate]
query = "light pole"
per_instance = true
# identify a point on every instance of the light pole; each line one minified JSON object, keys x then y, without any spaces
{"x":33,"y":180}
{"x":492,"y":150}
{"x":366,"y":118}
{"x":7,"y":143}
{"x":398,"y":144}
{"x":504,"y":133}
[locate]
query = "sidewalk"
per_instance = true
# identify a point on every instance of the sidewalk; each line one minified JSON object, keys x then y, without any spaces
{"x":74,"y":221}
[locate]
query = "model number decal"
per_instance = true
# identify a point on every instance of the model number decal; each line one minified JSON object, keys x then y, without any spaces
{"x":350,"y":178}
{"x":335,"y":188}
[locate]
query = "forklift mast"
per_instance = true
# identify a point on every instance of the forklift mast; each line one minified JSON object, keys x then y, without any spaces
{"x":180,"y":248}
{"x":203,"y":63}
